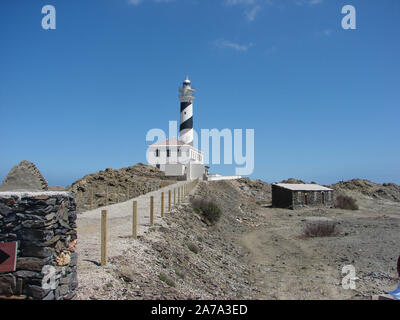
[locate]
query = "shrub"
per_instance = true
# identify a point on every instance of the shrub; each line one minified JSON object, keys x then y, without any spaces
{"x":166,"y":279}
{"x":320,"y":229}
{"x":180,"y":274}
{"x":208,"y":209}
{"x":192,"y":247}
{"x":346,"y":202}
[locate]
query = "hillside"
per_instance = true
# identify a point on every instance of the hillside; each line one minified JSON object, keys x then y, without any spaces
{"x":386,"y":191}
{"x":253,"y":251}
{"x":118,"y":184}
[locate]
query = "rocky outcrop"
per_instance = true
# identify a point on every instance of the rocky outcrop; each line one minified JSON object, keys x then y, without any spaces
{"x":387,"y":191}
{"x":116,"y":185}
{"x":293,"y":180}
{"x":24,"y":177}
{"x":257,"y":190}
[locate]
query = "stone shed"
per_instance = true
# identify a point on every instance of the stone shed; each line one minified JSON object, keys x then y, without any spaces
{"x":296,"y":195}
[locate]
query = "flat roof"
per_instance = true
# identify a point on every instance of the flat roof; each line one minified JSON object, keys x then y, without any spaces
{"x":302,"y":186}
{"x":170,"y":142}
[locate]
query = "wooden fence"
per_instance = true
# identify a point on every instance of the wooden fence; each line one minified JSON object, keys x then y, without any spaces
{"x":180,"y":192}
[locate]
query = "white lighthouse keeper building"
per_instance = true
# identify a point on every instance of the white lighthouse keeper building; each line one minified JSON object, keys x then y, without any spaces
{"x":178,"y":158}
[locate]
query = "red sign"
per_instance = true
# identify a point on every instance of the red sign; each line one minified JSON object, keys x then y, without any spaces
{"x":8,"y":256}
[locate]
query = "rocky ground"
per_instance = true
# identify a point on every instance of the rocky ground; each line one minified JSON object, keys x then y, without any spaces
{"x":255,"y":251}
{"x":116,"y":185}
{"x":385,"y":191}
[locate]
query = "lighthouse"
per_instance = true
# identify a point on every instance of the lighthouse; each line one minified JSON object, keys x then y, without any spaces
{"x":178,"y":157}
{"x":186,"y":120}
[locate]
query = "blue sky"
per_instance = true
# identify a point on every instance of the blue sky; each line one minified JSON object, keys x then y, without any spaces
{"x":324,"y":102}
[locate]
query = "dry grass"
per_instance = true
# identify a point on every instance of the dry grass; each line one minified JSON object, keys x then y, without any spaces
{"x":345,"y":202}
{"x":165,"y":183}
{"x":320,"y":229}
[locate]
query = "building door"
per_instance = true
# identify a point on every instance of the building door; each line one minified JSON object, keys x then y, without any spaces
{"x":323,"y":197}
{"x":305,"y":199}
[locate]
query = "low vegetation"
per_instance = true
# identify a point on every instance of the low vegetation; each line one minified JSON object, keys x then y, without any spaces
{"x":320,"y":229}
{"x":192,"y":247}
{"x":164,"y":278}
{"x":208,"y":209}
{"x":346,"y":202}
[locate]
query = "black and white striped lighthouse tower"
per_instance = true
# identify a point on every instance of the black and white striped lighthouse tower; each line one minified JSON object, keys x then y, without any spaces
{"x":186,"y":98}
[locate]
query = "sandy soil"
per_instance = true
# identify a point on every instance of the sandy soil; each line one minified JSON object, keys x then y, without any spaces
{"x":288,"y":266}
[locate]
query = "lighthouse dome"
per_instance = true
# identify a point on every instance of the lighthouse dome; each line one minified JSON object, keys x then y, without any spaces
{"x":186,"y":82}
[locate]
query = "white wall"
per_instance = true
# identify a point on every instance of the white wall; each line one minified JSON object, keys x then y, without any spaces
{"x":218,"y":177}
{"x":174,"y":169}
{"x":177,"y":154}
{"x":195,"y":170}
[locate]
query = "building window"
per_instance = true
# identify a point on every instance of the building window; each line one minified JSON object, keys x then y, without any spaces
{"x":329,"y":196}
{"x":157,"y":153}
{"x":315,"y":196}
{"x":299,"y":196}
{"x":168,"y":153}
{"x":179,"y":152}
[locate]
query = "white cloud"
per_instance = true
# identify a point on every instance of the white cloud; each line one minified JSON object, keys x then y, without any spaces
{"x":232,"y":45}
{"x":271,"y":50}
{"x":251,"y":8}
{"x":324,"y":33}
{"x":308,"y":2}
{"x":135,"y":2}
{"x":251,"y":14}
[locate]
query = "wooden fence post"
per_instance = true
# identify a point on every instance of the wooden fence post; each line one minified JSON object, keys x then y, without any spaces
{"x":151,"y":210}
{"x":134,"y":220}
{"x":174,"y":196}
{"x":162,"y":204}
{"x":179,"y":194}
{"x":103,"y":237}
{"x":169,"y":200}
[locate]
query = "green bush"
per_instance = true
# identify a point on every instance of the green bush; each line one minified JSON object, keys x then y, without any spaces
{"x":208,"y":209}
{"x":346,"y":202}
{"x":166,"y":279}
{"x":192,"y":247}
{"x":180,"y":273}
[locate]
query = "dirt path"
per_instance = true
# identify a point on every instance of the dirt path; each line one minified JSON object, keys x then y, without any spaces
{"x":287,"y":266}
{"x":119,"y":233}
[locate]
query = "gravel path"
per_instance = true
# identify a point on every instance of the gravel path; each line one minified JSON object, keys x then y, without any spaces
{"x":119,"y":232}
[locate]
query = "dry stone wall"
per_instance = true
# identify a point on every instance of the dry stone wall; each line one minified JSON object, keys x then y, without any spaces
{"x":44,"y":226}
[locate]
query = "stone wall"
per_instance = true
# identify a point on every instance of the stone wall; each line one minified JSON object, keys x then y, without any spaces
{"x":43,"y":224}
{"x":281,"y":198}
{"x":312,"y":199}
{"x":285,"y":198}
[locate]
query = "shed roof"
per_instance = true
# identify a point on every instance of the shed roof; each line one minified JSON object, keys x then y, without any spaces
{"x":302,"y":186}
